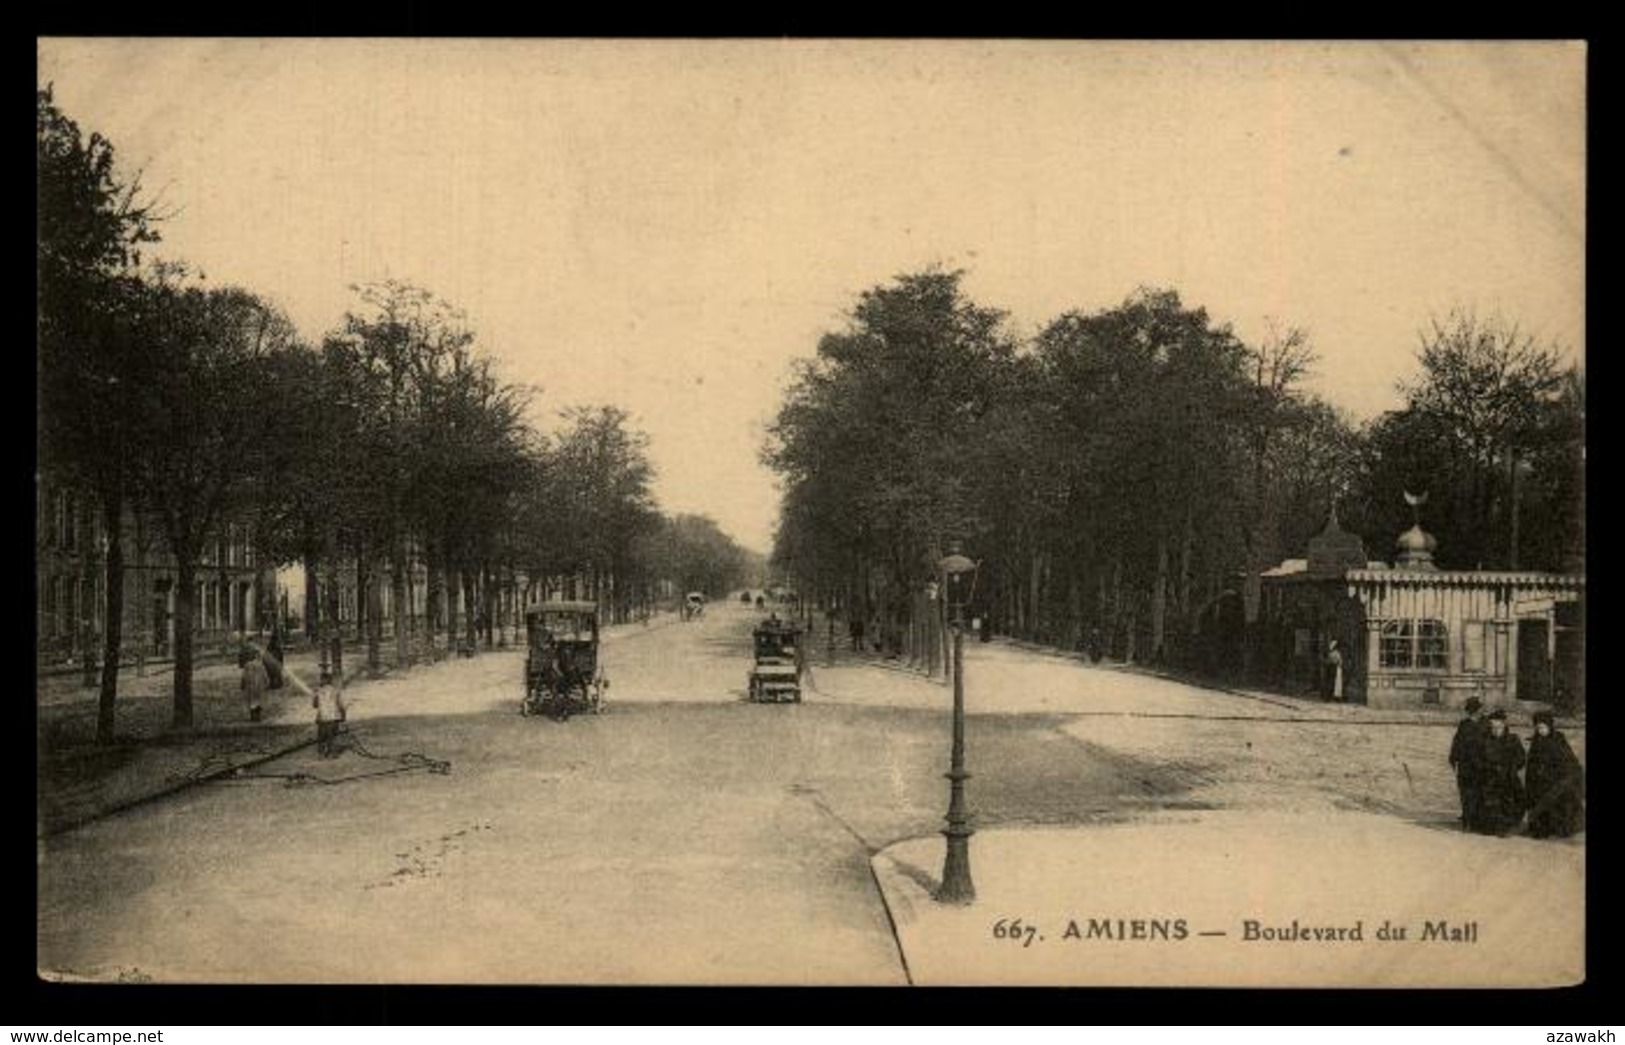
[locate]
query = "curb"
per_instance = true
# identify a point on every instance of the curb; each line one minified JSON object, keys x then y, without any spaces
{"x":170,"y":789}
{"x":180,"y":785}
{"x":898,"y":906}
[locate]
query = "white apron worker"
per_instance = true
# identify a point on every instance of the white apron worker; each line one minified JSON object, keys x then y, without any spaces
{"x":328,"y":700}
{"x":255,"y":681}
{"x":1334,"y":671}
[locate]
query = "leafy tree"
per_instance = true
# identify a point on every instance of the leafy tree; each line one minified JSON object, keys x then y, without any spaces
{"x":874,"y":439}
{"x":1483,"y":411}
{"x":91,"y":225}
{"x":206,"y":356}
{"x":1153,"y":406}
{"x":602,"y":502}
{"x":698,"y":556}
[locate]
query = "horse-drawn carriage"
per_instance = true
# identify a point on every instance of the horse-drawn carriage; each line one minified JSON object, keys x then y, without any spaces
{"x":562,"y":673}
{"x":694,"y":605}
{"x":775,"y":677}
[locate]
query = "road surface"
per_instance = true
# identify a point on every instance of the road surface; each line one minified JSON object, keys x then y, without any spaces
{"x":685,"y":836}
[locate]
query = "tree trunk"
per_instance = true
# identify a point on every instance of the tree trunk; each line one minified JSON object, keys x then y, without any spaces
{"x":1073,"y":635}
{"x":375,"y":622}
{"x":1512,"y":481}
{"x":313,"y":607}
{"x":1035,"y":595}
{"x":333,"y":630}
{"x":488,"y":590}
{"x":454,"y":594}
{"x":435,"y":582}
{"x":185,"y":598}
{"x":370,"y":606}
{"x":1012,"y":604}
{"x":113,"y":618}
{"x":1127,"y":643}
{"x":146,"y":625}
{"x":400,"y":599}
{"x":471,"y":596}
{"x":224,"y":599}
{"x":1159,"y":601}
{"x":1187,"y":549}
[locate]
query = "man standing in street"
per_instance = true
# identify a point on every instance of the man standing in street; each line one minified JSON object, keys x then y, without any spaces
{"x":328,"y":700}
{"x":1467,"y":759}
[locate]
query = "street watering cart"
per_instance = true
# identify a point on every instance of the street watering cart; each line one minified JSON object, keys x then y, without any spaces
{"x":775,"y":677}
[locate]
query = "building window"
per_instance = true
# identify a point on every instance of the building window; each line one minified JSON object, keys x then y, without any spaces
{"x":1423,"y":644}
{"x":53,"y":594}
{"x":1432,"y":645}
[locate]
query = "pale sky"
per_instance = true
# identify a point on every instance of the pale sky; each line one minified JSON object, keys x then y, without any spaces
{"x":666,"y":225}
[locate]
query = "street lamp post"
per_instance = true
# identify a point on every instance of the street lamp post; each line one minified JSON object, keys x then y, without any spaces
{"x":957,"y":887}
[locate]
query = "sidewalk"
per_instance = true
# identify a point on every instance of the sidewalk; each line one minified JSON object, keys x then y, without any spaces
{"x":80,"y":782}
{"x":1244,"y":899}
{"x":1295,"y":810}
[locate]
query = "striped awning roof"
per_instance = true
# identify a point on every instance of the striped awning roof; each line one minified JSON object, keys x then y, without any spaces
{"x":1469,"y":578}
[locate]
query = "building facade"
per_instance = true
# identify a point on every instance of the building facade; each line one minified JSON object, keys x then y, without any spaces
{"x":233,"y":593}
{"x":1413,"y":635}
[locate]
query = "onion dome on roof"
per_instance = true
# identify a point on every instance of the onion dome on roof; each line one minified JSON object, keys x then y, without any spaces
{"x":1334,"y":550}
{"x":1415,"y":549}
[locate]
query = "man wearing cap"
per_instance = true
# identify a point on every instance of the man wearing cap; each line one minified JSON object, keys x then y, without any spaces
{"x":1467,"y":759}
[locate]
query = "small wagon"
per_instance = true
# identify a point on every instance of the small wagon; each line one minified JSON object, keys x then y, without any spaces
{"x":775,"y":677}
{"x":562,"y":673}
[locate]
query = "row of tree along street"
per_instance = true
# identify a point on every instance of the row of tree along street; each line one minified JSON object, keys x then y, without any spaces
{"x":1123,"y":469}
{"x":391,"y":443}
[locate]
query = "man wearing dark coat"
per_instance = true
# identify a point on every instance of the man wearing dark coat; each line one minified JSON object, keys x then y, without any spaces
{"x":1467,"y":759}
{"x":1501,"y":796}
{"x":273,"y":658}
{"x":1555,"y":782}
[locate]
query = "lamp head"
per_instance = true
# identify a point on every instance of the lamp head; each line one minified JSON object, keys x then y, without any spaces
{"x":956,"y":567}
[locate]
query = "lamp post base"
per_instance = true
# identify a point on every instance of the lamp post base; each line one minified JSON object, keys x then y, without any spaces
{"x":957,"y":887}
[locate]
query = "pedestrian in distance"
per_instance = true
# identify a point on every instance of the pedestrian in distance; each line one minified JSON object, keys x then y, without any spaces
{"x":1555,"y":783}
{"x":1467,"y":759}
{"x":328,"y":700}
{"x":1501,"y":796}
{"x":253,"y":683}
{"x":855,"y":630}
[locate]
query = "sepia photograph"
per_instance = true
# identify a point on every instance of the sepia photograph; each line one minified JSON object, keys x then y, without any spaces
{"x":811,"y":512}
